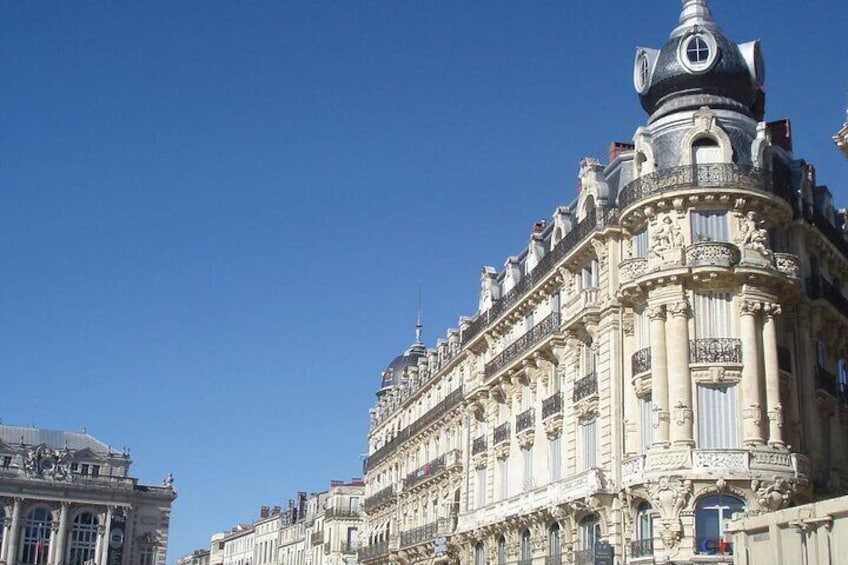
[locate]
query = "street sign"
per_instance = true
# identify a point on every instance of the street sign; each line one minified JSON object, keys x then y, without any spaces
{"x":603,"y":553}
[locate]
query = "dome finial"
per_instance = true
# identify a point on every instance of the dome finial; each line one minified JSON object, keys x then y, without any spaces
{"x":418,"y":325}
{"x":694,"y":13}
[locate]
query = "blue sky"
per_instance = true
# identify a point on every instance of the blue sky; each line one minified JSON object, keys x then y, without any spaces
{"x":215,"y":215}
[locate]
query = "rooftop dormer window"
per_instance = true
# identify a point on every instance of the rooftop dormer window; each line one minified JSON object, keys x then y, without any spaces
{"x":697,"y":52}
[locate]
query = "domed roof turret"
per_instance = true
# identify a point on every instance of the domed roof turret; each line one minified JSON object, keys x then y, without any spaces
{"x":394,"y":373}
{"x":699,"y":66}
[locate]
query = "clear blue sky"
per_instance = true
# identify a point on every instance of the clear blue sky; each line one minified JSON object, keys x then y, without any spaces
{"x":215,"y":215}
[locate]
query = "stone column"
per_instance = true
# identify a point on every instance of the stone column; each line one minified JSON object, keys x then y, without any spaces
{"x":12,"y":546}
{"x":631,"y":402}
{"x":101,"y":551}
{"x":61,"y":540}
{"x":752,"y":405}
{"x":679,"y":377}
{"x":659,"y":376}
{"x":774,"y":408}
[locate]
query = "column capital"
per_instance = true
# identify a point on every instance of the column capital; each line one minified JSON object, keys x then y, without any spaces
{"x":656,"y":312}
{"x":771,"y":309}
{"x":679,"y":308}
{"x":750,"y":307}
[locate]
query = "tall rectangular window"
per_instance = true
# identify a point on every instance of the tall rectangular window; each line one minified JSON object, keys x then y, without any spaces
{"x":527,"y":461}
{"x":555,"y":458}
{"x":503,"y":478}
{"x":646,"y":424}
{"x":641,"y":243}
{"x":643,"y":329}
{"x":717,"y":417}
{"x":713,"y":315}
{"x":590,"y":444}
{"x":710,"y":226}
{"x":481,"y":488}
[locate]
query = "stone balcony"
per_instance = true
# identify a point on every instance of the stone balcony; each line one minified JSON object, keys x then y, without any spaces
{"x":709,"y":463}
{"x":577,"y":486}
{"x":705,"y":259}
{"x":719,"y":177}
{"x":702,"y":352}
{"x":450,"y":461}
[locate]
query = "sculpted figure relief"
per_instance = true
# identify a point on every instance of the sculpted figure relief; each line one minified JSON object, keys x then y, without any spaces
{"x":666,"y":236}
{"x":751,"y":234}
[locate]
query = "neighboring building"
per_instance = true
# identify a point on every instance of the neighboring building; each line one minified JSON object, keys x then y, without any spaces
{"x":196,"y":557}
{"x":335,"y":532}
{"x":811,"y":534}
{"x":841,"y":138}
{"x":238,"y":545}
{"x":267,"y":535}
{"x":67,"y":498}
{"x":669,"y":350}
{"x":216,"y":548}
{"x":296,"y":536}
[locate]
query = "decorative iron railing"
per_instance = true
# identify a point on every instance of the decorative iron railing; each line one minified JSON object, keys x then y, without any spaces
{"x":705,"y":176}
{"x":342,"y":513}
{"x":640,"y":362}
{"x":784,"y":359}
{"x":831,"y":232}
{"x":430,"y":417}
{"x":374,"y":550}
{"x":571,"y":240}
{"x":641,"y":548}
{"x":818,"y":287}
{"x":715,"y":350}
{"x":826,"y":381}
{"x":419,"y":535}
{"x":501,"y":434}
{"x":426,"y":471}
{"x":379,"y":497}
{"x":317,"y":538}
{"x":524,"y":421}
{"x":536,"y":334}
{"x":585,"y":387}
{"x":552,"y":405}
{"x":478,"y":445}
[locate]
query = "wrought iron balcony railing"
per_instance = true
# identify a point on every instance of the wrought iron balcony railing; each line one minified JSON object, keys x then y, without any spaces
{"x":331,"y":513}
{"x":524,"y":421}
{"x":826,"y":381}
{"x":374,"y":550}
{"x":432,"y":416}
{"x":571,"y":240}
{"x":379,"y":497}
{"x":715,"y":350}
{"x":552,"y":405}
{"x":585,"y":387}
{"x":831,"y":232}
{"x":432,"y":469}
{"x":818,"y":287}
{"x":317,"y":538}
{"x":419,"y":535}
{"x":501,"y":434}
{"x":478,"y":445}
{"x":536,"y":334}
{"x":705,"y":176}
{"x":641,"y":548}
{"x":640,"y":362}
{"x":784,"y":359}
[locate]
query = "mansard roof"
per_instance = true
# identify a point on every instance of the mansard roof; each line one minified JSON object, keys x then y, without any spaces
{"x":16,"y":435}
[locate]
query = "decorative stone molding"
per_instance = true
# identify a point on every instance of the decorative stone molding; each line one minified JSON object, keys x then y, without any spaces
{"x":720,"y":459}
{"x":679,"y":308}
{"x":656,"y":313}
{"x":750,"y":307}
{"x":526,"y":438}
{"x":553,"y":426}
{"x":480,"y":460}
{"x":712,"y":254}
{"x":752,"y":236}
{"x":501,"y":451}
{"x":771,"y":309}
{"x":666,"y":236}
{"x":705,"y":125}
{"x":45,"y":462}
{"x":669,"y":495}
{"x":632,"y":269}
{"x":664,"y":460}
{"x":788,"y":264}
{"x":772,"y":495}
{"x":682,"y":413}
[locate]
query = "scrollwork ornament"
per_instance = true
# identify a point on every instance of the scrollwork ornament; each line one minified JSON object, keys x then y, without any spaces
{"x":679,"y":308}
{"x":749,"y":307}
{"x":656,"y":313}
{"x":772,"y":309}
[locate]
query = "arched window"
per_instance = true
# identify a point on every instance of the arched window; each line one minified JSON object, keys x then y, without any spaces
{"x":83,"y":539}
{"x":501,"y":551}
{"x":590,"y":532}
{"x":479,"y":554}
{"x":36,"y":542}
{"x":526,"y":549}
{"x":705,"y":150}
{"x":643,"y":545}
{"x":710,"y":513}
{"x":554,"y":545}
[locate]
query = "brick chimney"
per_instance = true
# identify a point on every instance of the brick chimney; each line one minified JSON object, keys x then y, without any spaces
{"x":616,"y":148}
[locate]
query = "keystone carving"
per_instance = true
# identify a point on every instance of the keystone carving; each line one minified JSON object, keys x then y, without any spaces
{"x":772,"y":495}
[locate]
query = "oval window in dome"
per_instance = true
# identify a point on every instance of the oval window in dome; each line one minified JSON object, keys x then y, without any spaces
{"x":697,"y":52}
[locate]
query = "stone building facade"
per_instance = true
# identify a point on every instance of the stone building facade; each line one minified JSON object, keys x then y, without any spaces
{"x":668,"y":350}
{"x":68,"y":498}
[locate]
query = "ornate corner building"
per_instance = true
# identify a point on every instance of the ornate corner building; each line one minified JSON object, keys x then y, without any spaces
{"x":668,"y":350}
{"x":67,"y":498}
